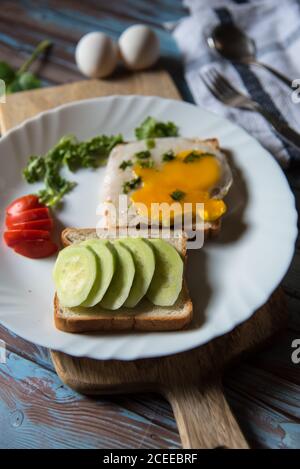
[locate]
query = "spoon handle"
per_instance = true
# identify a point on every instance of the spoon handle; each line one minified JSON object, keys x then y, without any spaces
{"x":274,"y":72}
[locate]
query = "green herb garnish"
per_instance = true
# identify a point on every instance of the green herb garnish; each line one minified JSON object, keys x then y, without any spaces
{"x":72,"y":154}
{"x":146,"y":163}
{"x":177,"y":195}
{"x":151,"y":128}
{"x":22,"y":79}
{"x":35,"y":169}
{"x":55,"y":188}
{"x":191,"y":157}
{"x":150,"y":143}
{"x":125,"y":164}
{"x":91,"y":153}
{"x":143,"y":159}
{"x":194,"y":156}
{"x":131,"y":185}
{"x":168,"y":156}
{"x":142,"y":155}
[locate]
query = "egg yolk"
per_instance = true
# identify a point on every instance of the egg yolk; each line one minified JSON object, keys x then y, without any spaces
{"x":189,"y":178}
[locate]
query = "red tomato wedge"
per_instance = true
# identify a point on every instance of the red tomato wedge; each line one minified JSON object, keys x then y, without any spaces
{"x":27,"y":202}
{"x":29,"y":224}
{"x":28,"y":215}
{"x":36,"y":249}
{"x":13,"y":237}
{"x":44,"y":224}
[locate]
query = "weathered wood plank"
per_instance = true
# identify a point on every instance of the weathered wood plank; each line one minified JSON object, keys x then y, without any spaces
{"x":25,"y":349}
{"x":262,"y":425}
{"x":291,"y":281}
{"x":294,"y":313}
{"x":37,"y":411}
{"x":269,"y":389}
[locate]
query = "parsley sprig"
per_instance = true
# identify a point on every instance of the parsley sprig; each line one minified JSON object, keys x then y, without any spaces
{"x":72,"y":154}
{"x":131,"y":185}
{"x":168,"y":156}
{"x":151,"y":128}
{"x":22,"y":79}
{"x":177,"y":195}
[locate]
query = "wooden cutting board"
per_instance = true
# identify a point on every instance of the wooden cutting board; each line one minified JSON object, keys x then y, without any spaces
{"x":191,"y":381}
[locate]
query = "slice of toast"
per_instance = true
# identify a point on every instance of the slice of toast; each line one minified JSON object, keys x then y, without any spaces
{"x":144,"y":317}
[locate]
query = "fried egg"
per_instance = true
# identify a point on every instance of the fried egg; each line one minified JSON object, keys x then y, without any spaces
{"x":174,"y":170}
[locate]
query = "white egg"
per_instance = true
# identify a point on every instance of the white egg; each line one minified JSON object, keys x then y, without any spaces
{"x":139,"y":47}
{"x":96,"y":55}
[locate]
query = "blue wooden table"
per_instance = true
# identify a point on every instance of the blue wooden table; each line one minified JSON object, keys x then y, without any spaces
{"x":36,"y":409}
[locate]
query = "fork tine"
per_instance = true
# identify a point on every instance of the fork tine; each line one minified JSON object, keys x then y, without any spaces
{"x":220,"y":84}
{"x":225,"y":83}
{"x":208,"y":83}
{"x":220,"y":87}
{"x":210,"y":79}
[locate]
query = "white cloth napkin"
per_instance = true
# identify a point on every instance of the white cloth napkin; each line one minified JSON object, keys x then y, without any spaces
{"x":275,"y":27}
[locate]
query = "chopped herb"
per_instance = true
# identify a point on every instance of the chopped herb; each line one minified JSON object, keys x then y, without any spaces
{"x":177,"y":195}
{"x":142,"y":155}
{"x":150,"y":143}
{"x":131,"y":185}
{"x":91,"y":153}
{"x":143,"y":159}
{"x":125,"y":164}
{"x":146,"y":163}
{"x":71,"y":153}
{"x":35,"y":169}
{"x":151,"y":128}
{"x":55,"y":188}
{"x":168,"y":156}
{"x":194,"y":156}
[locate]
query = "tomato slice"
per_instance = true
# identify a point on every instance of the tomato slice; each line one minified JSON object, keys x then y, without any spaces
{"x":44,"y":224}
{"x":13,"y":237}
{"x":27,"y":202}
{"x":28,"y":215}
{"x":36,"y":249}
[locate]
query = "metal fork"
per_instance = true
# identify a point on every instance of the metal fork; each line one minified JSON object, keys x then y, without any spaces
{"x":225,"y":92}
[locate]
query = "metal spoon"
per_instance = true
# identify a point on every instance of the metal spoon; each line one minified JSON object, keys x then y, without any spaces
{"x":236,"y":46}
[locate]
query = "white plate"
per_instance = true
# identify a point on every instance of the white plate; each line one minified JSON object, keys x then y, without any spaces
{"x":228,"y":279}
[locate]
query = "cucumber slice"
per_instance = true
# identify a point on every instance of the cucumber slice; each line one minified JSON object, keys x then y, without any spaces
{"x":74,"y":275}
{"x":144,"y":262}
{"x":106,"y":267}
{"x":166,"y":283}
{"x":120,"y":285}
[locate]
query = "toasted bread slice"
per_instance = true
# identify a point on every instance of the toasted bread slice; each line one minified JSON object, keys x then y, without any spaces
{"x":144,"y":317}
